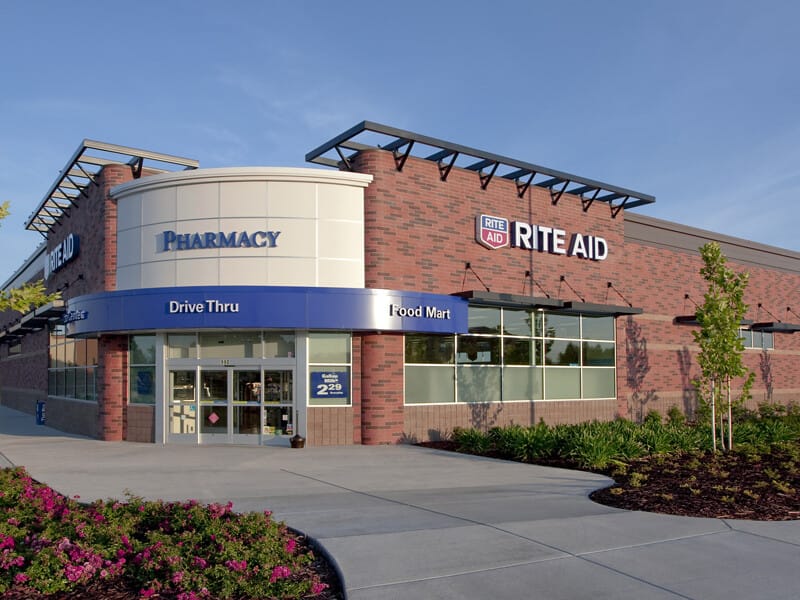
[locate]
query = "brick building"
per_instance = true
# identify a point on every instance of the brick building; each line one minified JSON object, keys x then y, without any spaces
{"x":418,"y":286}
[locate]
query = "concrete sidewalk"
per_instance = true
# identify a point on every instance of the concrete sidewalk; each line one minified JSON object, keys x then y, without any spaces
{"x":407,"y":522}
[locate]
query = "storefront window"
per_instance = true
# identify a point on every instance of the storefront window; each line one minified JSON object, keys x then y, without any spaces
{"x":182,"y":346}
{"x":562,"y":326}
{"x":562,"y":383}
{"x":142,"y":369}
{"x":329,"y":348}
{"x":71,"y":369}
{"x":279,"y":344}
{"x":758,"y":340}
{"x":599,"y":383}
{"x":479,"y":384}
{"x":514,"y":354}
{"x":522,"y":383}
{"x":598,"y":354}
{"x":429,"y":349}
{"x":484,"y":320}
{"x":478,"y":350}
{"x":428,"y":377}
{"x":329,"y":369}
{"x":518,"y":322}
{"x":564,"y":353}
{"x":246,"y":344}
{"x":597,"y":328}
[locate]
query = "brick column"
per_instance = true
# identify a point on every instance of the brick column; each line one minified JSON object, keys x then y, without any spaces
{"x":112,"y":388}
{"x":382,"y":419}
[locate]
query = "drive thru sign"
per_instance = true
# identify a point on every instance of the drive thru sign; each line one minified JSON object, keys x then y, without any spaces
{"x":491,"y":231}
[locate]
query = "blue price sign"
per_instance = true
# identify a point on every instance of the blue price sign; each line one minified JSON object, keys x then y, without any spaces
{"x":329,"y":384}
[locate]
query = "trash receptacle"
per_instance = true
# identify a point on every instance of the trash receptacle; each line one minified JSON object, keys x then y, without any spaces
{"x":40,"y":412}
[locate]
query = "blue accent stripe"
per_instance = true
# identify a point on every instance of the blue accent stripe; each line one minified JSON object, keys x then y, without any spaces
{"x":267,"y":307}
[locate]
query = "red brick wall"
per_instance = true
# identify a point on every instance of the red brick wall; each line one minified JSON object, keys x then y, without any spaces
{"x":420,"y":232}
{"x":75,"y":416}
{"x":112,"y":388}
{"x":382,"y":389}
{"x":658,"y":280}
{"x":140,"y":421}
{"x":329,"y":425}
{"x":94,"y":220}
{"x":23,"y":376}
{"x":436,"y":421}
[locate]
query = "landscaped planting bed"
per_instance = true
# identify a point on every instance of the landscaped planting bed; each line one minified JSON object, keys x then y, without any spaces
{"x":52,"y":546}
{"x":666,"y":466}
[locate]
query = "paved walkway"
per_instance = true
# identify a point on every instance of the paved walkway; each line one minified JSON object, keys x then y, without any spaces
{"x":407,"y":522}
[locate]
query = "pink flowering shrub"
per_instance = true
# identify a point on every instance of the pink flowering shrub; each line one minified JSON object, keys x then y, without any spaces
{"x":181,"y":550}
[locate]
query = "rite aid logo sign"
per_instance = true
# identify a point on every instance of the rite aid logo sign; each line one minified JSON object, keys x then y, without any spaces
{"x":491,"y":231}
{"x":497,"y":232}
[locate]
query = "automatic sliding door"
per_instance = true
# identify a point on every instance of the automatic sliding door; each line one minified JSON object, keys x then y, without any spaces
{"x":214,"y":417}
{"x":278,"y":405}
{"x":182,"y":417}
{"x":246,"y":405}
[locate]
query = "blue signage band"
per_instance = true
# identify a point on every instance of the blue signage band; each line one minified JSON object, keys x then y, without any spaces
{"x":265,"y":307}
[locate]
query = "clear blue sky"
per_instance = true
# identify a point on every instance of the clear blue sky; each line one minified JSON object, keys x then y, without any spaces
{"x":697,"y":103}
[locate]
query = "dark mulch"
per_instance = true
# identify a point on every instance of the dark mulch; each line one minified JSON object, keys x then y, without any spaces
{"x":759,"y":487}
{"x":762,"y":487}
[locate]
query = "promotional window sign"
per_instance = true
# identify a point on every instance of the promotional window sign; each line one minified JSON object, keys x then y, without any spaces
{"x":329,"y":384}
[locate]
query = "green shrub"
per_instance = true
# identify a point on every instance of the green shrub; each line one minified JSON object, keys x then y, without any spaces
{"x":537,"y":442}
{"x":652,"y":417}
{"x":675,"y":416}
{"x":507,"y":441}
{"x":471,"y":441}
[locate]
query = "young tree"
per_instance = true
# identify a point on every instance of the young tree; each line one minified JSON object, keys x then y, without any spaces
{"x":29,"y":295}
{"x":721,"y":347}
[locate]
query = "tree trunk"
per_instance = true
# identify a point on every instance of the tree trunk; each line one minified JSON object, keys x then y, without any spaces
{"x":730,"y":417}
{"x":713,"y":419}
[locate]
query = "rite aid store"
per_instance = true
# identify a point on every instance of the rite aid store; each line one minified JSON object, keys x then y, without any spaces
{"x":416,"y":286}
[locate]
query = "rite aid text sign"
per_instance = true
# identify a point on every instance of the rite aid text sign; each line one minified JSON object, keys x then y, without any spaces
{"x":496,"y":232}
{"x":64,"y":252}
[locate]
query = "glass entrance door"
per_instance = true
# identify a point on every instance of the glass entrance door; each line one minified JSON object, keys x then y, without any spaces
{"x":278,"y":406}
{"x":214,"y":412}
{"x":232,"y":404}
{"x":246,"y":406}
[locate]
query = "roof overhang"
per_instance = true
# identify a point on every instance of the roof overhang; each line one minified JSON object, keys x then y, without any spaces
{"x":775,"y":327}
{"x":81,"y":171}
{"x":483,"y":298}
{"x":340,"y":151}
{"x":589,"y":308}
{"x":692,"y":320}
{"x":35,"y":320}
{"x":509,"y":300}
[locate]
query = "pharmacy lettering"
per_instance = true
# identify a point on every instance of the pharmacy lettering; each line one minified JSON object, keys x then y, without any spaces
{"x":171,"y":240}
{"x":495,"y":233}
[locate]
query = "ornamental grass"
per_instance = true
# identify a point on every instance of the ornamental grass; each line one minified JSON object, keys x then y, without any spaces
{"x":50,"y":544}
